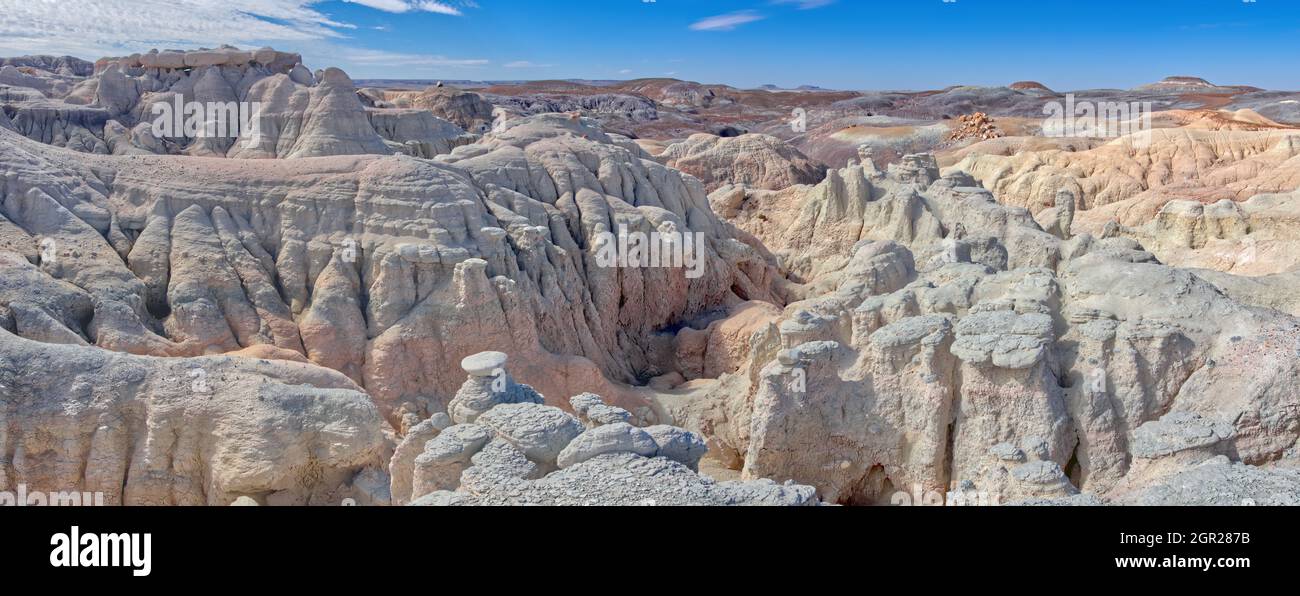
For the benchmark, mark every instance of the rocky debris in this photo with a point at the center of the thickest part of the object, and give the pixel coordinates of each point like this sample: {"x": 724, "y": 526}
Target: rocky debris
{"x": 753, "y": 160}
{"x": 978, "y": 126}
{"x": 602, "y": 414}
{"x": 1176, "y": 433}
{"x": 592, "y": 410}
{"x": 527, "y": 453}
{"x": 1221, "y": 482}
{"x": 622, "y": 479}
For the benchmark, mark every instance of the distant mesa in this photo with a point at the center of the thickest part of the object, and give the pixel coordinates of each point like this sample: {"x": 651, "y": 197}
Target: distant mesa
{"x": 1030, "y": 86}
{"x": 1179, "y": 83}
{"x": 1186, "y": 81}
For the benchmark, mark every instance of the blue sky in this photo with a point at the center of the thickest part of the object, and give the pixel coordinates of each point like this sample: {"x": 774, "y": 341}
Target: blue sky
{"x": 847, "y": 44}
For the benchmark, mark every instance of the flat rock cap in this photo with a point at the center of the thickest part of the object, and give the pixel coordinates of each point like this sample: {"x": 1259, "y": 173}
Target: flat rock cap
{"x": 483, "y": 364}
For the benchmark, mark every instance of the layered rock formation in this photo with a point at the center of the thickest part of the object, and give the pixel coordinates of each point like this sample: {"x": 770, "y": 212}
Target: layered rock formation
{"x": 283, "y": 109}
{"x": 184, "y": 431}
{"x": 387, "y": 269}
{"x": 760, "y": 161}
{"x": 224, "y": 327}
{"x": 947, "y": 342}
{"x": 470, "y": 111}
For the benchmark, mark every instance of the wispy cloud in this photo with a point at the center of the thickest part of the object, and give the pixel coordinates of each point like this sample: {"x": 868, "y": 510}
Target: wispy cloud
{"x": 99, "y": 28}
{"x": 401, "y": 6}
{"x": 806, "y": 4}
{"x": 727, "y": 22}
{"x": 526, "y": 64}
{"x": 104, "y": 27}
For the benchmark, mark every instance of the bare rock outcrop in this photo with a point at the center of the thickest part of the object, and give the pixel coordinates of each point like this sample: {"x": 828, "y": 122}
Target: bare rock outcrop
{"x": 388, "y": 269}
{"x": 465, "y": 109}
{"x": 185, "y": 431}
{"x": 955, "y": 343}
{"x": 267, "y": 105}
{"x": 754, "y": 160}
{"x": 531, "y": 454}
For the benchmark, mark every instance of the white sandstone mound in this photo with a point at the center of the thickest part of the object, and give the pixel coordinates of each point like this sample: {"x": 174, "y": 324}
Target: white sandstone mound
{"x": 758, "y": 161}
{"x": 386, "y": 268}
{"x": 287, "y": 110}
{"x": 958, "y": 345}
{"x": 509, "y": 449}
{"x": 184, "y": 431}
{"x": 197, "y": 329}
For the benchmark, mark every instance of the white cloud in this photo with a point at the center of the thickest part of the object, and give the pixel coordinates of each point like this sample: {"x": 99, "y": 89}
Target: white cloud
{"x": 438, "y": 7}
{"x": 806, "y": 4}
{"x": 95, "y": 28}
{"x": 384, "y": 5}
{"x": 400, "y": 6}
{"x": 526, "y": 64}
{"x": 727, "y": 22}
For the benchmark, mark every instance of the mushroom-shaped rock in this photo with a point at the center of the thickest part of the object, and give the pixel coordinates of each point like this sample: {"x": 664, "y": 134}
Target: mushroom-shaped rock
{"x": 611, "y": 438}
{"x": 540, "y": 432}
{"x": 484, "y": 364}
{"x": 488, "y": 386}
{"x": 678, "y": 444}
